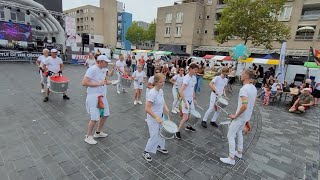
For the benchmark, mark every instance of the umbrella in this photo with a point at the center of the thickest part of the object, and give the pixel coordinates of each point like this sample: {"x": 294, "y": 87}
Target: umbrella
{"x": 208, "y": 56}
{"x": 306, "y": 29}
{"x": 239, "y": 52}
{"x": 162, "y": 53}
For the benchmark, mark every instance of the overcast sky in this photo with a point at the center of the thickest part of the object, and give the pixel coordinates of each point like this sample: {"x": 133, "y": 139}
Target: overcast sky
{"x": 146, "y": 13}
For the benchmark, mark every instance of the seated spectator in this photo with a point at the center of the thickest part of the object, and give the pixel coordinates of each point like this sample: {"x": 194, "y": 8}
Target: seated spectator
{"x": 267, "y": 94}
{"x": 276, "y": 87}
{"x": 304, "y": 102}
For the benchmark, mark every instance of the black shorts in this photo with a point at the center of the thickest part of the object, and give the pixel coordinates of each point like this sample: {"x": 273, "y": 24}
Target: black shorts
{"x": 232, "y": 80}
{"x": 316, "y": 93}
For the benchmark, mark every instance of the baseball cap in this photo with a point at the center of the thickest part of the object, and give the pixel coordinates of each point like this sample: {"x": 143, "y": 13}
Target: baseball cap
{"x": 103, "y": 58}
{"x": 54, "y": 50}
{"x": 306, "y": 89}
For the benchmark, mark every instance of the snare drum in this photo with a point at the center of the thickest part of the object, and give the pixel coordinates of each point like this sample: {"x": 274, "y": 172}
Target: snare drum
{"x": 193, "y": 117}
{"x": 126, "y": 81}
{"x": 168, "y": 129}
{"x": 59, "y": 84}
{"x": 222, "y": 102}
{"x": 195, "y": 114}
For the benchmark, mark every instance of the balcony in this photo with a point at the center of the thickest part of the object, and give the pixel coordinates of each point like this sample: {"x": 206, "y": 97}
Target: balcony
{"x": 301, "y": 37}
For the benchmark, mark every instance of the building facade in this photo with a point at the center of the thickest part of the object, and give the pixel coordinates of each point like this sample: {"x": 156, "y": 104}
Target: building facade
{"x": 148, "y": 45}
{"x": 104, "y": 24}
{"x": 190, "y": 24}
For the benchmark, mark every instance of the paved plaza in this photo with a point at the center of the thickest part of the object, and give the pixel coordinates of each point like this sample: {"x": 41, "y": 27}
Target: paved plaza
{"x": 45, "y": 140}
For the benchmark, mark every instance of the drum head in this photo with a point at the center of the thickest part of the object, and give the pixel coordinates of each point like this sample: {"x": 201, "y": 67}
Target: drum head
{"x": 170, "y": 126}
{"x": 223, "y": 101}
{"x": 195, "y": 114}
{"x": 59, "y": 79}
{"x": 114, "y": 82}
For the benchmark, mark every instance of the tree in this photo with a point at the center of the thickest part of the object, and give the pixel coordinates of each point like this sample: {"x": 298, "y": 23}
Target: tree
{"x": 151, "y": 32}
{"x": 136, "y": 34}
{"x": 254, "y": 20}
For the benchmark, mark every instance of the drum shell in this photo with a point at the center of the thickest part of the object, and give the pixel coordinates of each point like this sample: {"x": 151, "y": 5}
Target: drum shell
{"x": 220, "y": 104}
{"x": 125, "y": 82}
{"x": 193, "y": 119}
{"x": 58, "y": 87}
{"x": 165, "y": 134}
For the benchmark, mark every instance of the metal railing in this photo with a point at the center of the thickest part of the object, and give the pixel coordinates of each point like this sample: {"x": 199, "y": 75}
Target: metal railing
{"x": 299, "y": 37}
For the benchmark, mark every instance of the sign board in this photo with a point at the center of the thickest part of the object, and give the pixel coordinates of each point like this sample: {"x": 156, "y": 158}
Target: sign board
{"x": 70, "y": 24}
{"x": 20, "y": 54}
{"x": 79, "y": 59}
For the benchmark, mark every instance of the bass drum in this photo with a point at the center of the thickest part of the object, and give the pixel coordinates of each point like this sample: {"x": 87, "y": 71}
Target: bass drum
{"x": 59, "y": 84}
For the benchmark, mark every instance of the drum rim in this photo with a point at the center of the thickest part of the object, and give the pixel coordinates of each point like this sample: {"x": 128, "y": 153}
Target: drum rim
{"x": 171, "y": 125}
{"x": 60, "y": 81}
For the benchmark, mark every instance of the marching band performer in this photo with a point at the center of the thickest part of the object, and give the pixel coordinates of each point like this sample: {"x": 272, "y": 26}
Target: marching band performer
{"x": 40, "y": 61}
{"x": 177, "y": 81}
{"x": 121, "y": 70}
{"x": 188, "y": 97}
{"x": 52, "y": 66}
{"x": 139, "y": 77}
{"x": 217, "y": 86}
{"x": 150, "y": 82}
{"x": 155, "y": 106}
{"x": 246, "y": 102}
{"x": 96, "y": 103}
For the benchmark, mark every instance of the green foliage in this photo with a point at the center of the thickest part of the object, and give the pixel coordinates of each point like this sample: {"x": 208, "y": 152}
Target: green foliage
{"x": 151, "y": 32}
{"x": 254, "y": 20}
{"x": 135, "y": 34}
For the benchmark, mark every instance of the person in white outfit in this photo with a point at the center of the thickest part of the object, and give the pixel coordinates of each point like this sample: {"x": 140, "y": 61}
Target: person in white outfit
{"x": 40, "y": 61}
{"x": 53, "y": 65}
{"x": 139, "y": 77}
{"x": 246, "y": 103}
{"x": 121, "y": 70}
{"x": 177, "y": 81}
{"x": 150, "y": 82}
{"x": 217, "y": 85}
{"x": 95, "y": 80}
{"x": 188, "y": 97}
{"x": 91, "y": 61}
{"x": 155, "y": 106}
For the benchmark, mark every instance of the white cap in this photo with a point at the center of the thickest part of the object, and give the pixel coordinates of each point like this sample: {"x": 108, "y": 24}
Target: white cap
{"x": 103, "y": 58}
{"x": 54, "y": 50}
{"x": 307, "y": 89}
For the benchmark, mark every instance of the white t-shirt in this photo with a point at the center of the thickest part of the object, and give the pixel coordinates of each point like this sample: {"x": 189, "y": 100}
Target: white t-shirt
{"x": 96, "y": 74}
{"x": 249, "y": 91}
{"x": 53, "y": 64}
{"x": 90, "y": 62}
{"x": 42, "y": 60}
{"x": 190, "y": 82}
{"x": 318, "y": 82}
{"x": 139, "y": 76}
{"x": 120, "y": 65}
{"x": 151, "y": 80}
{"x": 179, "y": 81}
{"x": 173, "y": 70}
{"x": 220, "y": 83}
{"x": 157, "y": 99}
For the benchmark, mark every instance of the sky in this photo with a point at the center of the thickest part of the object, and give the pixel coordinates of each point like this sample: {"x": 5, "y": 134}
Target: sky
{"x": 147, "y": 12}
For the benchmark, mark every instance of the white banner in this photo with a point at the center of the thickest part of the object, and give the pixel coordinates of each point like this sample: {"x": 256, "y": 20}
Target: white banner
{"x": 71, "y": 26}
{"x": 280, "y": 74}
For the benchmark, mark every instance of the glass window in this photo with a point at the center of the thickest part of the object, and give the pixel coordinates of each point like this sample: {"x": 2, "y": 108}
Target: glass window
{"x": 209, "y": 2}
{"x": 2, "y": 15}
{"x": 168, "y": 18}
{"x": 178, "y": 30}
{"x": 205, "y": 31}
{"x": 167, "y": 31}
{"x": 179, "y": 17}
{"x": 14, "y": 16}
{"x": 92, "y": 18}
{"x": 285, "y": 13}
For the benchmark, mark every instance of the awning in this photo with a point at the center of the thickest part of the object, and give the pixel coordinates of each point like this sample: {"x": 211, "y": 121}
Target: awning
{"x": 289, "y": 52}
{"x": 141, "y": 51}
{"x": 208, "y": 56}
{"x": 161, "y": 52}
{"x": 222, "y": 58}
{"x": 261, "y": 61}
{"x": 311, "y": 65}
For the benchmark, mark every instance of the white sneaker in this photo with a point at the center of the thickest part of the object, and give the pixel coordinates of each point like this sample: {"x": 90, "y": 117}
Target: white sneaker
{"x": 147, "y": 156}
{"x": 90, "y": 140}
{"x": 42, "y": 91}
{"x": 177, "y": 109}
{"x": 118, "y": 92}
{"x": 139, "y": 102}
{"x": 228, "y": 160}
{"x": 100, "y": 135}
{"x": 125, "y": 91}
{"x": 173, "y": 111}
{"x": 135, "y": 102}
{"x": 238, "y": 155}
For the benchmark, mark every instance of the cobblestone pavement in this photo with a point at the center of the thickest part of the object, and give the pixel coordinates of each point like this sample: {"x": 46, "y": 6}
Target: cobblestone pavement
{"x": 45, "y": 140}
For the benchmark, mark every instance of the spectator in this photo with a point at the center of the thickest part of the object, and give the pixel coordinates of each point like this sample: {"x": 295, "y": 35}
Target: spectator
{"x": 134, "y": 63}
{"x": 267, "y": 94}
{"x": 141, "y": 61}
{"x": 260, "y": 69}
{"x": 304, "y": 102}
{"x": 276, "y": 87}
{"x": 316, "y": 92}
{"x": 150, "y": 67}
{"x": 200, "y": 74}
{"x": 128, "y": 62}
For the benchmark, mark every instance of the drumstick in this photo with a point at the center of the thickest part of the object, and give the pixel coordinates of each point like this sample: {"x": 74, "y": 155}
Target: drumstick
{"x": 223, "y": 110}
{"x": 200, "y": 107}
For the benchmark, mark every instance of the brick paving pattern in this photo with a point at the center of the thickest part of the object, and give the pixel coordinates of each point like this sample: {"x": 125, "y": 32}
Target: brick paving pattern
{"x": 45, "y": 140}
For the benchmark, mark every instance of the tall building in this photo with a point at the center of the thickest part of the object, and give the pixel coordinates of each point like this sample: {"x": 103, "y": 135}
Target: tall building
{"x": 106, "y": 25}
{"x": 190, "y": 24}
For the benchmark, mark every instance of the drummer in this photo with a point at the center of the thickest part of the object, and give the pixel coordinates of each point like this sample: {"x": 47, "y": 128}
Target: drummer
{"x": 53, "y": 66}
{"x": 188, "y": 97}
{"x": 40, "y": 61}
{"x": 217, "y": 86}
{"x": 139, "y": 77}
{"x": 121, "y": 70}
{"x": 177, "y": 81}
{"x": 95, "y": 80}
{"x": 155, "y": 106}
{"x": 246, "y": 102}
{"x": 151, "y": 81}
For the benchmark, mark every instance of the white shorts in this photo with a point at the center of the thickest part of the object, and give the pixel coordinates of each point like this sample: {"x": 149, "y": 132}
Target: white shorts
{"x": 93, "y": 110}
{"x": 48, "y": 82}
{"x": 137, "y": 85}
{"x": 190, "y": 106}
{"x": 41, "y": 76}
